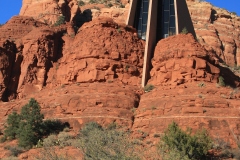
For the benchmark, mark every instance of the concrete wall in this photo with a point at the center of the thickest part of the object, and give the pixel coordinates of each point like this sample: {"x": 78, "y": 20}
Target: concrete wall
{"x": 184, "y": 18}
{"x": 150, "y": 40}
{"x": 132, "y": 12}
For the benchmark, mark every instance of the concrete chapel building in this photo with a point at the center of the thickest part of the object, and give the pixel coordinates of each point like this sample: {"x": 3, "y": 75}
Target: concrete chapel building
{"x": 155, "y": 20}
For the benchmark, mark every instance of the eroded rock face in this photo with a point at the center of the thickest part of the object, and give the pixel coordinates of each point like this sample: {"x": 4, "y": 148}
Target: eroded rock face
{"x": 180, "y": 59}
{"x": 81, "y": 103}
{"x": 217, "y": 30}
{"x": 49, "y": 10}
{"x": 101, "y": 51}
{"x": 192, "y": 106}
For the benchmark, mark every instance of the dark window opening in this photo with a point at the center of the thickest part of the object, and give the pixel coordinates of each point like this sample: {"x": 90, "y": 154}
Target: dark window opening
{"x": 141, "y": 18}
{"x": 166, "y": 25}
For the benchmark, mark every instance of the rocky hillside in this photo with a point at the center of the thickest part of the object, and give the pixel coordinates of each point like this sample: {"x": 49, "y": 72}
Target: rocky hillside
{"x": 217, "y": 30}
{"x": 89, "y": 69}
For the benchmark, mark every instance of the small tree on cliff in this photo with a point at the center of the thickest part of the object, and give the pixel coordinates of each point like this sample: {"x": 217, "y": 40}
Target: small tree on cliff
{"x": 26, "y": 126}
{"x": 30, "y": 126}
{"x": 11, "y": 129}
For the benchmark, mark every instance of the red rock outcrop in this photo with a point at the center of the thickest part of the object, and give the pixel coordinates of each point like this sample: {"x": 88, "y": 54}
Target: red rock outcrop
{"x": 217, "y": 30}
{"x": 209, "y": 107}
{"x": 180, "y": 59}
{"x": 101, "y": 51}
{"x": 94, "y": 74}
{"x": 49, "y": 10}
{"x": 82, "y": 102}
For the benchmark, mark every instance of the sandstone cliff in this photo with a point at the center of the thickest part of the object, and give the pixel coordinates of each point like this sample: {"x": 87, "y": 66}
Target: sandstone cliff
{"x": 217, "y": 30}
{"x": 93, "y": 73}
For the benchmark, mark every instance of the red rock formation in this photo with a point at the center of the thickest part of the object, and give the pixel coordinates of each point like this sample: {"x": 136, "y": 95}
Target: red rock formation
{"x": 94, "y": 74}
{"x": 180, "y": 59}
{"x": 101, "y": 51}
{"x": 217, "y": 30}
{"x": 105, "y": 51}
{"x": 209, "y": 107}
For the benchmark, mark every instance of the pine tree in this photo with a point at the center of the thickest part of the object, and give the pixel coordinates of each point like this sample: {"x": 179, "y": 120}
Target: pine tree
{"x": 30, "y": 127}
{"x": 11, "y": 129}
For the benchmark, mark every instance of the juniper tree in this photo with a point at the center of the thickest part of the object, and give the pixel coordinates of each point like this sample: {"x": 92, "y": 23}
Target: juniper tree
{"x": 12, "y": 126}
{"x": 30, "y": 126}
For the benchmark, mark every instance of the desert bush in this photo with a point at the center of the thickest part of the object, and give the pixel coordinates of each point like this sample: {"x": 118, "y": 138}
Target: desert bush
{"x": 93, "y": 1}
{"x": 148, "y": 87}
{"x": 64, "y": 139}
{"x": 201, "y": 84}
{"x": 109, "y": 143}
{"x": 49, "y": 153}
{"x": 50, "y": 141}
{"x": 184, "y": 31}
{"x": 182, "y": 144}
{"x": 14, "y": 150}
{"x": 81, "y": 3}
{"x": 221, "y": 81}
{"x": 10, "y": 158}
{"x": 60, "y": 20}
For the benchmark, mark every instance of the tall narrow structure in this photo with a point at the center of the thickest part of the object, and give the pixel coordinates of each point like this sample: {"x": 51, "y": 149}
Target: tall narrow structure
{"x": 155, "y": 20}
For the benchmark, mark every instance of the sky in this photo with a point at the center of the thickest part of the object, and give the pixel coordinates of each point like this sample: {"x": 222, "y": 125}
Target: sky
{"x": 9, "y": 8}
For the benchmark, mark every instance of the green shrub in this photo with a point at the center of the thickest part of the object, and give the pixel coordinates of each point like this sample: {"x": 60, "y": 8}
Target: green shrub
{"x": 49, "y": 153}
{"x": 148, "y": 88}
{"x": 81, "y": 3}
{"x": 184, "y": 145}
{"x": 221, "y": 81}
{"x": 10, "y": 158}
{"x": 201, "y": 84}
{"x": 93, "y": 1}
{"x": 50, "y": 141}
{"x": 184, "y": 31}
{"x": 109, "y": 143}
{"x": 15, "y": 151}
{"x": 60, "y": 20}
{"x": 12, "y": 126}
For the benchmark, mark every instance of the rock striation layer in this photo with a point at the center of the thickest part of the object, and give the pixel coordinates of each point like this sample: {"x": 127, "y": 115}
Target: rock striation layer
{"x": 217, "y": 30}
{"x": 47, "y": 56}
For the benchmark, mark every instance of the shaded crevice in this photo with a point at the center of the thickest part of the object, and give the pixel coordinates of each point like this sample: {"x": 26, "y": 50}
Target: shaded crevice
{"x": 10, "y": 51}
{"x": 66, "y": 11}
{"x": 212, "y": 16}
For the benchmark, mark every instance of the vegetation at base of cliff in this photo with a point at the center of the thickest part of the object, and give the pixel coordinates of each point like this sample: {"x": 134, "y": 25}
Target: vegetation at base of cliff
{"x": 81, "y": 3}
{"x": 148, "y": 88}
{"x": 183, "y": 145}
{"x": 60, "y": 20}
{"x": 28, "y": 126}
{"x": 221, "y": 81}
{"x": 97, "y": 142}
{"x": 184, "y": 31}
